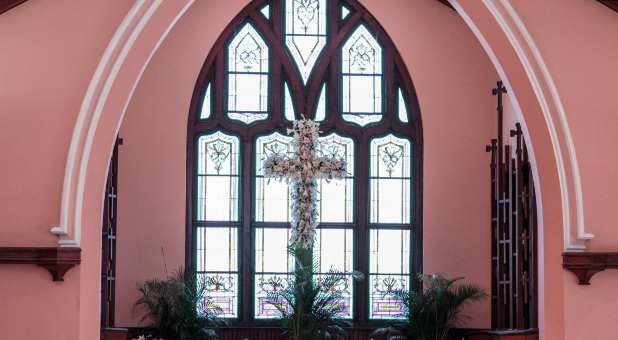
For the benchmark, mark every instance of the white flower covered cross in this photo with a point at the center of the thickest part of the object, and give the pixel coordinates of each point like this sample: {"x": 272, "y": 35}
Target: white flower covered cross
{"x": 303, "y": 170}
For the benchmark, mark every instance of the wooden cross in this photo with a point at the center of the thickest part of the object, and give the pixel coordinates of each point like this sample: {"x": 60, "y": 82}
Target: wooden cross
{"x": 302, "y": 170}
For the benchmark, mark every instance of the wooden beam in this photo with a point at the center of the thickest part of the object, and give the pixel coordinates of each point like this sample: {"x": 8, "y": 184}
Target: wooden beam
{"x": 584, "y": 265}
{"x": 5, "y": 5}
{"x": 57, "y": 260}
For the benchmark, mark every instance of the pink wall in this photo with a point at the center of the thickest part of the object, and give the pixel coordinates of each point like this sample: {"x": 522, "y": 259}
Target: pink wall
{"x": 458, "y": 118}
{"x": 45, "y": 66}
{"x": 583, "y": 33}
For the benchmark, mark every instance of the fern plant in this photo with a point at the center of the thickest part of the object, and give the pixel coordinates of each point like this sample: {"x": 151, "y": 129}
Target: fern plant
{"x": 432, "y": 313}
{"x": 309, "y": 308}
{"x": 179, "y": 308}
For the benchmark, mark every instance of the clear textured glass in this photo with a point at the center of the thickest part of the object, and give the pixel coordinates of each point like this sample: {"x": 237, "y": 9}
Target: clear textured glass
{"x": 248, "y": 60}
{"x": 271, "y": 194}
{"x": 361, "y": 63}
{"x": 336, "y": 197}
{"x": 305, "y": 32}
{"x": 403, "y": 109}
{"x": 289, "y": 105}
{"x": 344, "y": 12}
{"x": 266, "y": 11}
{"x": 217, "y": 249}
{"x": 389, "y": 271}
{"x": 206, "y": 104}
{"x": 390, "y": 182}
{"x": 320, "y": 111}
{"x": 333, "y": 250}
{"x": 218, "y": 167}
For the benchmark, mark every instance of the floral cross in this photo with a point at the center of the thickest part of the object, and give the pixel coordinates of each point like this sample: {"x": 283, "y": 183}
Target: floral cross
{"x": 303, "y": 170}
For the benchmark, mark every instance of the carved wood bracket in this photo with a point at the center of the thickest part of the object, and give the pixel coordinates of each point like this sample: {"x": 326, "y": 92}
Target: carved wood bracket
{"x": 584, "y": 265}
{"x": 57, "y": 260}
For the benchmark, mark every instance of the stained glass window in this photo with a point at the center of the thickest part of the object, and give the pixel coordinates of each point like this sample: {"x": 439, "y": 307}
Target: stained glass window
{"x": 272, "y": 69}
{"x": 403, "y": 110}
{"x": 289, "y": 105}
{"x": 320, "y": 112}
{"x": 305, "y": 32}
{"x": 247, "y": 76}
{"x": 206, "y": 104}
{"x": 217, "y": 209}
{"x": 361, "y": 58}
{"x": 336, "y": 197}
{"x": 266, "y": 11}
{"x": 344, "y": 12}
{"x": 390, "y": 181}
{"x": 389, "y": 271}
{"x": 273, "y": 266}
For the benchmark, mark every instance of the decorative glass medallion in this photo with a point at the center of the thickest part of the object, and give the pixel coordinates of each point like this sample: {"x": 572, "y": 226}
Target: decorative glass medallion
{"x": 247, "y": 76}
{"x": 305, "y": 32}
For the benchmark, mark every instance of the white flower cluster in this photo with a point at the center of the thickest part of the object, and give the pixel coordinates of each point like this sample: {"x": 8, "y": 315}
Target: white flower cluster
{"x": 302, "y": 171}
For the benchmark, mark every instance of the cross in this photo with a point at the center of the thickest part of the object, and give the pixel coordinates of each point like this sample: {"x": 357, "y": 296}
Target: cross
{"x": 302, "y": 170}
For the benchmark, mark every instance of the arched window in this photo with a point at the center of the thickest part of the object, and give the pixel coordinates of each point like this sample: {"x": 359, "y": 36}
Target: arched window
{"x": 328, "y": 60}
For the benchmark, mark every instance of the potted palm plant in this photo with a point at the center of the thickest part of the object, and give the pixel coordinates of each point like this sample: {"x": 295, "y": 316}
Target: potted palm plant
{"x": 430, "y": 314}
{"x": 310, "y": 308}
{"x": 178, "y": 307}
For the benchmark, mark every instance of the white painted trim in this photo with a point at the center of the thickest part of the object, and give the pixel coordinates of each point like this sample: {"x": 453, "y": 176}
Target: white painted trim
{"x": 62, "y": 228}
{"x": 579, "y": 200}
{"x": 74, "y": 238}
{"x": 83, "y": 170}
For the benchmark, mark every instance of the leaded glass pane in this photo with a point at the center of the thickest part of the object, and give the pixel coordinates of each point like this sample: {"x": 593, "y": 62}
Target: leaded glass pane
{"x": 248, "y": 60}
{"x": 266, "y": 11}
{"x": 361, "y": 58}
{"x": 273, "y": 265}
{"x": 222, "y": 292}
{"x": 217, "y": 249}
{"x": 206, "y": 104}
{"x": 272, "y": 196}
{"x": 218, "y": 167}
{"x": 320, "y": 112}
{"x": 389, "y": 271}
{"x": 305, "y": 32}
{"x": 336, "y": 197}
{"x": 289, "y": 105}
{"x": 403, "y": 109}
{"x": 344, "y": 12}
{"x": 390, "y": 181}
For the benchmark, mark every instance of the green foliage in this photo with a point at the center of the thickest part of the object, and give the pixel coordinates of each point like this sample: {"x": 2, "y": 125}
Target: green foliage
{"x": 433, "y": 312}
{"x": 171, "y": 305}
{"x": 309, "y": 309}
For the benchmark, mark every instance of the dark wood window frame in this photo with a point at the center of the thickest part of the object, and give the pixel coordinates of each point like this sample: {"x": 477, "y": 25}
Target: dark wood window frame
{"x": 305, "y": 98}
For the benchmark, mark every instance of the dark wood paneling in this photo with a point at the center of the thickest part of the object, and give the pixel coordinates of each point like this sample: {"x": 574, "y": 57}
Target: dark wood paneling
{"x": 585, "y": 265}
{"x": 56, "y": 260}
{"x": 5, "y": 5}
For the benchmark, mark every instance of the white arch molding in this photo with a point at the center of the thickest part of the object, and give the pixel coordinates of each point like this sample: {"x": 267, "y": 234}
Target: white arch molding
{"x": 124, "y": 57}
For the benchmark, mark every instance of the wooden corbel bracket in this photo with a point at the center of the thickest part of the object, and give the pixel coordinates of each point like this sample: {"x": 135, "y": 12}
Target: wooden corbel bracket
{"x": 585, "y": 264}
{"x": 57, "y": 260}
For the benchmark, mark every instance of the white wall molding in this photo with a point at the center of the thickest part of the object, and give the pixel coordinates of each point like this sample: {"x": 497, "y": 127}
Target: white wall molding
{"x": 93, "y": 107}
{"x": 575, "y": 235}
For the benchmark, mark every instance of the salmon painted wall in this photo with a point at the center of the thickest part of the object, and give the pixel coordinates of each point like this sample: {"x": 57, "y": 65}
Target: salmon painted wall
{"x": 458, "y": 120}
{"x": 580, "y": 48}
{"x": 45, "y": 66}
